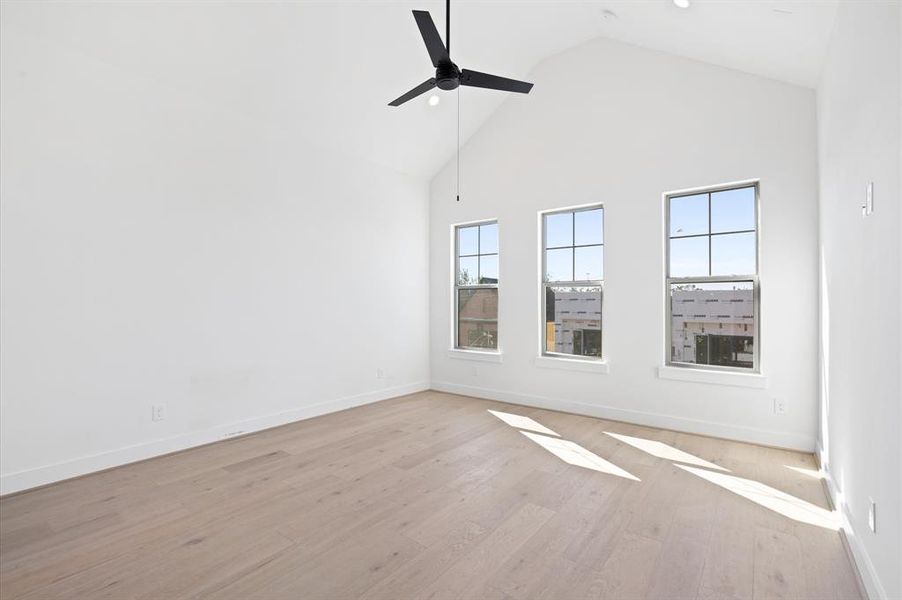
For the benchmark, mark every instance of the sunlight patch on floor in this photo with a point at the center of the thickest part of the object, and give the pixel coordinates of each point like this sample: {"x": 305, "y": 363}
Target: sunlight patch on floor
{"x": 521, "y": 422}
{"x": 773, "y": 499}
{"x": 814, "y": 474}
{"x": 574, "y": 454}
{"x": 665, "y": 451}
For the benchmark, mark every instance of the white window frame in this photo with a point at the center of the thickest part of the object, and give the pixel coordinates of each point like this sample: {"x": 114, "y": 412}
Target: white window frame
{"x": 754, "y": 278}
{"x": 551, "y": 358}
{"x": 457, "y": 350}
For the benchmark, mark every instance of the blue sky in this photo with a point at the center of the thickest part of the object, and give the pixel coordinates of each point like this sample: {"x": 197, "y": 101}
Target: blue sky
{"x": 728, "y": 253}
{"x": 584, "y": 229}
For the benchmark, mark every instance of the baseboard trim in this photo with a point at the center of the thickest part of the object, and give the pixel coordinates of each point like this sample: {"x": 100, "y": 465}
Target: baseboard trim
{"x": 710, "y": 428}
{"x": 40, "y": 476}
{"x": 867, "y": 574}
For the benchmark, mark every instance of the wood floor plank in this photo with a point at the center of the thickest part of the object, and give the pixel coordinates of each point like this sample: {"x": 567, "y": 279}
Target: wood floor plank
{"x": 778, "y": 565}
{"x": 346, "y": 569}
{"x": 679, "y": 569}
{"x": 429, "y": 495}
{"x": 628, "y": 571}
{"x": 728, "y": 573}
{"x": 539, "y": 569}
{"x": 421, "y": 572}
{"x": 474, "y": 571}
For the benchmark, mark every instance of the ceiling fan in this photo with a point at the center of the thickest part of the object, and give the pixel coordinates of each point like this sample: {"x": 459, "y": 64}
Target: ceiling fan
{"x": 447, "y": 75}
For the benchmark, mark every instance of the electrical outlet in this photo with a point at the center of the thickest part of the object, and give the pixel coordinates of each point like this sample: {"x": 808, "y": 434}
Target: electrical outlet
{"x": 779, "y": 406}
{"x": 474, "y": 372}
{"x": 159, "y": 412}
{"x": 872, "y": 515}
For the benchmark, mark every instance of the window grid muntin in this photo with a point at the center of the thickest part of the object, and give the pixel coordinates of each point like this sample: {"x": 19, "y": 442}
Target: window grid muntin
{"x": 743, "y": 278}
{"x": 459, "y": 286}
{"x": 588, "y": 283}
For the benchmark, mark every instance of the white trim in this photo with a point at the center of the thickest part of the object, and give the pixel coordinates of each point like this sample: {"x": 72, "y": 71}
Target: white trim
{"x": 752, "y": 380}
{"x": 572, "y": 364}
{"x": 715, "y": 187}
{"x": 480, "y": 355}
{"x": 575, "y": 207}
{"x": 470, "y": 223}
{"x": 859, "y": 554}
{"x": 23, "y": 480}
{"x": 780, "y": 439}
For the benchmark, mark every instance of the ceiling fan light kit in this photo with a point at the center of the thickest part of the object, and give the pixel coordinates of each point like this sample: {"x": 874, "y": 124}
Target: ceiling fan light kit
{"x": 447, "y": 74}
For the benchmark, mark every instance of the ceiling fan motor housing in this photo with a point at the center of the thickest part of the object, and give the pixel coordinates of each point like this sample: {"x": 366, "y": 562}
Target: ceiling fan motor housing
{"x": 447, "y": 76}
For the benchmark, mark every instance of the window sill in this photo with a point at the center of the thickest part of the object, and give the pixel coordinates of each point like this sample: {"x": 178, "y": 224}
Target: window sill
{"x": 479, "y": 355}
{"x": 572, "y": 364}
{"x": 750, "y": 380}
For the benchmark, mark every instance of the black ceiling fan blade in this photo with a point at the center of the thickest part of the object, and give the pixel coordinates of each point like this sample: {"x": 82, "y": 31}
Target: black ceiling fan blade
{"x": 434, "y": 45}
{"x": 493, "y": 82}
{"x": 420, "y": 89}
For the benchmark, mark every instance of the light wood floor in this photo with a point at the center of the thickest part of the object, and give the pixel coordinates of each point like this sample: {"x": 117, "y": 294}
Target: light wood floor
{"x": 432, "y": 496}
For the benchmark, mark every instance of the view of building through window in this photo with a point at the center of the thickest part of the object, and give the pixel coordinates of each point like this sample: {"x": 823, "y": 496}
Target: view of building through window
{"x": 713, "y": 324}
{"x": 573, "y": 320}
{"x": 712, "y": 278}
{"x": 477, "y": 311}
{"x": 574, "y": 270}
{"x": 476, "y": 283}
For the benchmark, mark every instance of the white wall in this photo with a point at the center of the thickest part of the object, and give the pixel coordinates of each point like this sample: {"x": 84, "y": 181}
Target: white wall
{"x": 859, "y": 105}
{"x": 157, "y": 248}
{"x": 618, "y": 124}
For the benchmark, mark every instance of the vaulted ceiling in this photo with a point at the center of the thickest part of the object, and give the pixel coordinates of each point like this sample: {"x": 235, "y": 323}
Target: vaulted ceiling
{"x": 325, "y": 71}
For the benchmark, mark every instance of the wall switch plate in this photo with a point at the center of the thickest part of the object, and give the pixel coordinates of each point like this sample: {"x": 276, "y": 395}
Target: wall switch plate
{"x": 872, "y": 515}
{"x": 867, "y": 209}
{"x": 380, "y": 373}
{"x": 159, "y": 412}
{"x": 779, "y": 406}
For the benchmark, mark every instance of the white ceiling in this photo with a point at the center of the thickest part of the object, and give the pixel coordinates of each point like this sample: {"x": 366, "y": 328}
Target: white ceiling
{"x": 325, "y": 71}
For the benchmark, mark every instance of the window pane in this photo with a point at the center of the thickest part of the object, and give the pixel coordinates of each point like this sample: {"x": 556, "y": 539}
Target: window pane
{"x": 477, "y": 318}
{"x": 559, "y": 265}
{"x": 733, "y": 210}
{"x": 488, "y": 269}
{"x": 559, "y": 230}
{"x": 689, "y": 215}
{"x": 467, "y": 270}
{"x": 467, "y": 240}
{"x": 689, "y": 256}
{"x": 488, "y": 239}
{"x": 713, "y": 324}
{"x": 589, "y": 263}
{"x": 589, "y": 227}
{"x": 573, "y": 320}
{"x": 733, "y": 254}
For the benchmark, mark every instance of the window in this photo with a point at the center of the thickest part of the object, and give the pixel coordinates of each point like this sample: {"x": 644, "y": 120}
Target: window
{"x": 476, "y": 286}
{"x": 712, "y": 278}
{"x": 573, "y": 271}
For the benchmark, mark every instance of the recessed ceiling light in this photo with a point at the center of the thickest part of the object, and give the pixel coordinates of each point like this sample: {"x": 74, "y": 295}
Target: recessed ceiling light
{"x": 681, "y": 3}
{"x": 608, "y": 15}
{"x": 433, "y": 100}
